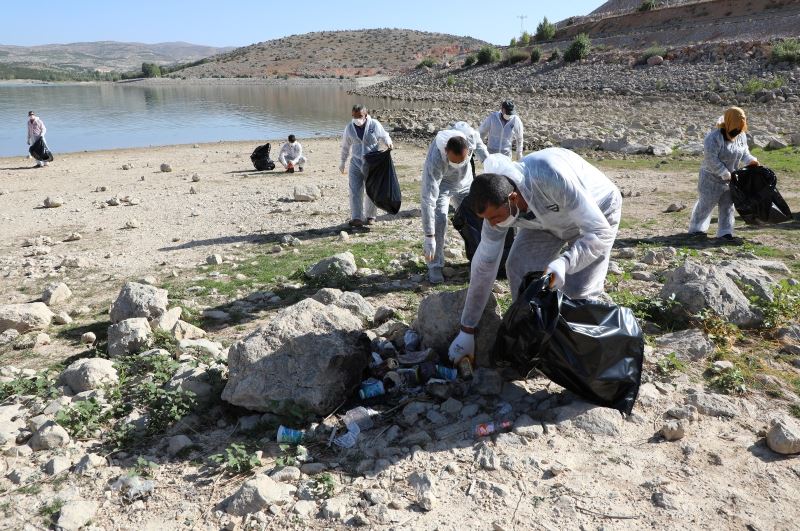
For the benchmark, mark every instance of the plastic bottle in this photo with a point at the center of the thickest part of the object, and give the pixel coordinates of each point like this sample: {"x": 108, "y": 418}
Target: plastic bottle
{"x": 289, "y": 436}
{"x": 488, "y": 428}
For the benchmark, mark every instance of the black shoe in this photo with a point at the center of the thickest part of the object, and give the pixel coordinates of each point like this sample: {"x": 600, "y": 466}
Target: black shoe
{"x": 290, "y": 170}
{"x": 730, "y": 239}
{"x": 300, "y": 168}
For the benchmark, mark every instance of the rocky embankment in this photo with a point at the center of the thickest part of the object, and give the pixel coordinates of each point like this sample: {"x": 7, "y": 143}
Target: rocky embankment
{"x": 612, "y": 101}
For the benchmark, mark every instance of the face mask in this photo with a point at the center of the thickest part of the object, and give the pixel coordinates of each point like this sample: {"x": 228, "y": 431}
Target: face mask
{"x": 733, "y": 133}
{"x": 457, "y": 165}
{"x": 510, "y": 220}
{"x": 507, "y": 116}
{"x": 359, "y": 121}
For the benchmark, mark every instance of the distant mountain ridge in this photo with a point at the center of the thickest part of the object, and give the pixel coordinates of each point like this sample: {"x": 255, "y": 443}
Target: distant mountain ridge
{"x": 104, "y": 56}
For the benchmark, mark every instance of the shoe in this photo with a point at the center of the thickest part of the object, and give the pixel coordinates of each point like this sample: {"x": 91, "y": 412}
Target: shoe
{"x": 698, "y": 234}
{"x": 355, "y": 223}
{"x": 300, "y": 168}
{"x": 289, "y": 170}
{"x": 730, "y": 239}
{"x": 435, "y": 275}
{"x": 370, "y": 221}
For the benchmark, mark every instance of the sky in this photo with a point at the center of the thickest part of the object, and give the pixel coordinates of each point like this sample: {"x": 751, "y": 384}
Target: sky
{"x": 243, "y": 22}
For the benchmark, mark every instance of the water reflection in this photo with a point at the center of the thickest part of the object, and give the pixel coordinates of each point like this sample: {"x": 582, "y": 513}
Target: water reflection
{"x": 104, "y": 116}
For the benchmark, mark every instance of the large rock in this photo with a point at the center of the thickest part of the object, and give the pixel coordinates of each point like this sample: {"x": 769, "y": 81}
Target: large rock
{"x": 590, "y": 418}
{"x": 307, "y": 192}
{"x": 713, "y": 404}
{"x": 439, "y": 320}
{"x": 167, "y": 320}
{"x": 25, "y": 317}
{"x": 258, "y": 494}
{"x": 89, "y": 373}
{"x": 193, "y": 379}
{"x": 623, "y": 145}
{"x": 309, "y": 356}
{"x": 129, "y": 336}
{"x": 138, "y": 300}
{"x": 348, "y": 300}
{"x": 692, "y": 344}
{"x": 698, "y": 287}
{"x": 50, "y": 435}
{"x": 783, "y": 436}
{"x": 338, "y": 265}
{"x": 75, "y": 514}
{"x": 56, "y": 293}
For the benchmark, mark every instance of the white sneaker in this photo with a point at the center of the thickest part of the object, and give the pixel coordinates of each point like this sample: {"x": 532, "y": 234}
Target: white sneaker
{"x": 39, "y": 164}
{"x": 45, "y": 163}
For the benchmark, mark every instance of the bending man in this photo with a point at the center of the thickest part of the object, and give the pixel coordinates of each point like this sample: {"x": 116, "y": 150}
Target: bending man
{"x": 500, "y": 129}
{"x": 556, "y": 200}
{"x": 446, "y": 177}
{"x": 291, "y": 155}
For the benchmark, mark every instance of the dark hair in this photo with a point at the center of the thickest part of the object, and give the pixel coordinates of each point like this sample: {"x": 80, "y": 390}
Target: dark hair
{"x": 358, "y": 108}
{"x": 508, "y": 106}
{"x": 456, "y": 144}
{"x": 291, "y": 138}
{"x": 30, "y": 113}
{"x": 489, "y": 189}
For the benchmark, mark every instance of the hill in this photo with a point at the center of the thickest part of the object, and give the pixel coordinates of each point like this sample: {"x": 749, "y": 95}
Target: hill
{"x": 335, "y": 53}
{"x": 102, "y": 56}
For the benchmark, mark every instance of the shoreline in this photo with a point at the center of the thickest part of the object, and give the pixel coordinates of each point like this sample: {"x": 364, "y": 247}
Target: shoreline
{"x": 224, "y": 81}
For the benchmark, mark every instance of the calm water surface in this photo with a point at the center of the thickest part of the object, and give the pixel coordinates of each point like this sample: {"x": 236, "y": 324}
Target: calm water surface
{"x": 105, "y": 116}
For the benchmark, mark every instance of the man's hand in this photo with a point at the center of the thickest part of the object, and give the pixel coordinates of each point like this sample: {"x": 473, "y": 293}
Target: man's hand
{"x": 753, "y": 164}
{"x": 341, "y": 169}
{"x": 726, "y": 176}
{"x": 429, "y": 247}
{"x": 462, "y": 345}
{"x": 557, "y": 269}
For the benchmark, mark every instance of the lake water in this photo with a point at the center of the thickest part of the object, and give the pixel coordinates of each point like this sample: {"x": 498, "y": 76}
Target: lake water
{"x": 105, "y": 116}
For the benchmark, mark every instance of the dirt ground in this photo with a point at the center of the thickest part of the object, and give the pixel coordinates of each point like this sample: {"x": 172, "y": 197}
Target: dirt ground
{"x": 720, "y": 476}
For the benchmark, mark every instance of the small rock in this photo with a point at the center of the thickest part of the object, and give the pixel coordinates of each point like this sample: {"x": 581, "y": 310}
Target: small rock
{"x": 57, "y": 465}
{"x": 56, "y": 293}
{"x": 49, "y": 436}
{"x": 214, "y": 259}
{"x": 177, "y": 443}
{"x": 307, "y": 192}
{"x": 783, "y": 436}
{"x": 88, "y": 338}
{"x": 89, "y": 373}
{"x": 258, "y": 494}
{"x": 53, "y": 202}
{"x": 166, "y": 168}
{"x": 672, "y": 430}
{"x": 195, "y": 178}
{"x": 132, "y": 223}
{"x": 675, "y": 207}
{"x": 73, "y": 237}
{"x": 75, "y": 514}
{"x": 287, "y": 474}
{"x": 62, "y": 318}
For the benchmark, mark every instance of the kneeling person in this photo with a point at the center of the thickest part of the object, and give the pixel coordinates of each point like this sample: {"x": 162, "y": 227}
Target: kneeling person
{"x": 556, "y": 199}
{"x": 291, "y": 155}
{"x": 446, "y": 177}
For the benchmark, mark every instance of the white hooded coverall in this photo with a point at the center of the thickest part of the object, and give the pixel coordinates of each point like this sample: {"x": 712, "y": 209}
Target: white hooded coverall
{"x": 499, "y": 135}
{"x": 291, "y": 152}
{"x": 569, "y": 202}
{"x": 356, "y": 148}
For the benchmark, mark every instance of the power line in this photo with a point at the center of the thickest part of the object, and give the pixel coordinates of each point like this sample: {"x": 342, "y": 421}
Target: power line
{"x": 522, "y": 23}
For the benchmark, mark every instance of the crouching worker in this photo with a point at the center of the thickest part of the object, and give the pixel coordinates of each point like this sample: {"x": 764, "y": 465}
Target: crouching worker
{"x": 291, "y": 155}
{"x": 567, "y": 214}
{"x": 446, "y": 177}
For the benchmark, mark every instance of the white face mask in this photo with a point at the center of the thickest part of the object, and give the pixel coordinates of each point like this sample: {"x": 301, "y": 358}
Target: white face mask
{"x": 359, "y": 121}
{"x": 458, "y": 165}
{"x": 507, "y": 116}
{"x": 510, "y": 220}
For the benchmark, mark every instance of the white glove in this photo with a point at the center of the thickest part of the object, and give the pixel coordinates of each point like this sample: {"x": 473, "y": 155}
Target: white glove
{"x": 389, "y": 146}
{"x": 341, "y": 169}
{"x": 462, "y": 345}
{"x": 429, "y": 247}
{"x": 726, "y": 176}
{"x": 558, "y": 269}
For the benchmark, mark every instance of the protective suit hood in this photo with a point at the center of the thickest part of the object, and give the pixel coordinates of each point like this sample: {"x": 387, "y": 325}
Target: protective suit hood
{"x": 442, "y": 137}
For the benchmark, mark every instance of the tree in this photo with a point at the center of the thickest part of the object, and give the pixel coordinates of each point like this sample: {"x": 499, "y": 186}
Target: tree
{"x": 513, "y": 42}
{"x": 151, "y": 70}
{"x": 488, "y": 54}
{"x": 579, "y": 49}
{"x": 545, "y": 30}
{"x": 536, "y": 55}
{"x": 525, "y": 39}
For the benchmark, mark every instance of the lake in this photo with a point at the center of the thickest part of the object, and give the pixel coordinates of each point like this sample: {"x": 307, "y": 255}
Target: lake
{"x": 109, "y": 115}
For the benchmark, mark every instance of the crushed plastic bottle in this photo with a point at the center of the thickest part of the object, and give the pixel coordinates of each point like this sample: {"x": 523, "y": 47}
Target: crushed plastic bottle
{"x": 371, "y": 388}
{"x": 488, "y": 428}
{"x": 411, "y": 340}
{"x": 288, "y": 435}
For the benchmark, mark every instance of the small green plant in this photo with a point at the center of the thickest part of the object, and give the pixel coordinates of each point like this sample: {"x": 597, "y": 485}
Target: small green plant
{"x": 783, "y": 308}
{"x": 84, "y": 418}
{"x": 143, "y": 468}
{"x": 32, "y": 489}
{"x": 38, "y": 385}
{"x": 660, "y": 84}
{"x": 545, "y": 31}
{"x": 536, "y": 55}
{"x": 164, "y": 340}
{"x": 428, "y": 62}
{"x": 50, "y": 510}
{"x": 787, "y": 51}
{"x": 729, "y": 381}
{"x": 288, "y": 455}
{"x": 721, "y": 331}
{"x": 579, "y": 49}
{"x": 515, "y": 56}
{"x": 487, "y": 55}
{"x": 794, "y": 410}
{"x": 754, "y": 84}
{"x": 653, "y": 51}
{"x": 648, "y": 5}
{"x": 670, "y": 364}
{"x": 236, "y": 460}
{"x": 324, "y": 485}
{"x": 513, "y": 42}
{"x": 451, "y": 80}
{"x": 470, "y": 60}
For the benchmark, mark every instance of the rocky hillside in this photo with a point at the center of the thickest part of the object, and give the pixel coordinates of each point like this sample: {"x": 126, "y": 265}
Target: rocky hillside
{"x": 104, "y": 56}
{"x": 335, "y": 53}
{"x": 615, "y": 7}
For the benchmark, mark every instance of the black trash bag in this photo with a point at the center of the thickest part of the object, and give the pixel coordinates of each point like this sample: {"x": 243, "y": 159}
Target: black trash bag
{"x": 469, "y": 225}
{"x": 260, "y": 158}
{"x": 381, "y": 181}
{"x": 755, "y": 195}
{"x": 40, "y": 152}
{"x": 591, "y": 348}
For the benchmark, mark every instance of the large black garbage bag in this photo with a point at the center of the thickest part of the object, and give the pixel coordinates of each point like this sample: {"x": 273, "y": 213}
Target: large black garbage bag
{"x": 469, "y": 225}
{"x": 260, "y": 158}
{"x": 381, "y": 181}
{"x": 39, "y": 151}
{"x": 755, "y": 195}
{"x": 591, "y": 348}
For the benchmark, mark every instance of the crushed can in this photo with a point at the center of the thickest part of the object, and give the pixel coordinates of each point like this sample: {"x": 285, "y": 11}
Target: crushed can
{"x": 371, "y": 388}
{"x": 488, "y": 428}
{"x": 392, "y": 381}
{"x": 446, "y": 373}
{"x": 464, "y": 367}
{"x": 380, "y": 370}
{"x": 411, "y": 340}
{"x": 409, "y": 377}
{"x": 289, "y": 436}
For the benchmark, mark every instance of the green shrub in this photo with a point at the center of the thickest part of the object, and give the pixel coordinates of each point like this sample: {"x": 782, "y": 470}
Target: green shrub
{"x": 451, "y": 80}
{"x": 648, "y": 5}
{"x": 545, "y": 30}
{"x": 653, "y": 51}
{"x": 513, "y": 42}
{"x": 515, "y": 56}
{"x": 488, "y": 55}
{"x": 555, "y": 56}
{"x": 729, "y": 381}
{"x": 427, "y": 62}
{"x": 470, "y": 60}
{"x": 787, "y": 50}
{"x": 151, "y": 70}
{"x": 536, "y": 55}
{"x": 525, "y": 39}
{"x": 579, "y": 49}
{"x": 236, "y": 460}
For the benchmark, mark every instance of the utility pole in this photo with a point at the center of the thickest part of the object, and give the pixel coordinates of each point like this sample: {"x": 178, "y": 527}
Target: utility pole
{"x": 522, "y": 23}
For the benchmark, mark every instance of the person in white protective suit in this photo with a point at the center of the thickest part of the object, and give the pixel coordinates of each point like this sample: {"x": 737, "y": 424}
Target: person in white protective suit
{"x": 291, "y": 155}
{"x": 555, "y": 199}
{"x": 500, "y": 129}
{"x": 36, "y": 130}
{"x": 724, "y": 150}
{"x": 362, "y": 135}
{"x": 446, "y": 177}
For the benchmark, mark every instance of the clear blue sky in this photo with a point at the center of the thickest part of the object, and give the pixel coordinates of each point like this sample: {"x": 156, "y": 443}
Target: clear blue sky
{"x": 242, "y": 22}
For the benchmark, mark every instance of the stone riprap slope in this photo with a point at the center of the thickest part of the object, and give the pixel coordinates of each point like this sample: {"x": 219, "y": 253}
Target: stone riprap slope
{"x": 335, "y": 53}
